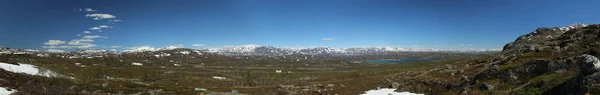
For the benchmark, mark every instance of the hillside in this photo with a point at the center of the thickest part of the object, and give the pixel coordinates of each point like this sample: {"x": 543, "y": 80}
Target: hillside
{"x": 559, "y": 60}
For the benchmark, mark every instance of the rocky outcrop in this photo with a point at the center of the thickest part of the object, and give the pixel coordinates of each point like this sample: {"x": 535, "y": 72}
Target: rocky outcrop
{"x": 538, "y": 67}
{"x": 588, "y": 78}
{"x": 588, "y": 64}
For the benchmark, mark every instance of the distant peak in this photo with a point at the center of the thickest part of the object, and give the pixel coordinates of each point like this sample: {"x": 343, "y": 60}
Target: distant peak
{"x": 573, "y": 26}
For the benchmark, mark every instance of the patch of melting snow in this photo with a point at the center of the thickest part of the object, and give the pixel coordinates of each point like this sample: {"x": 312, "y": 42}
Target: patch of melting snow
{"x": 3, "y": 91}
{"x": 387, "y": 91}
{"x": 219, "y": 78}
{"x": 28, "y": 69}
{"x": 137, "y": 64}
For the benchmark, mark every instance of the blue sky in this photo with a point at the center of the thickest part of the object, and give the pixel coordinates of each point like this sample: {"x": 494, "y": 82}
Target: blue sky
{"x": 444, "y": 24}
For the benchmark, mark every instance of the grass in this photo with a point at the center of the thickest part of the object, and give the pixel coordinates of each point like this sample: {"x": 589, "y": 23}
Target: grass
{"x": 254, "y": 77}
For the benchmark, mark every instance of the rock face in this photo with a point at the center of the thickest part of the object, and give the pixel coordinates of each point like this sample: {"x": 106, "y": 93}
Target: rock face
{"x": 588, "y": 64}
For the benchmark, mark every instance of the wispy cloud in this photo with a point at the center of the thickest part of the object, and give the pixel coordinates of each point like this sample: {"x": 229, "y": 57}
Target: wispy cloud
{"x": 79, "y": 46}
{"x": 105, "y": 26}
{"x": 90, "y": 10}
{"x": 175, "y": 46}
{"x": 198, "y": 45}
{"x": 92, "y": 37}
{"x": 86, "y": 40}
{"x": 328, "y": 39}
{"x": 115, "y": 46}
{"x": 55, "y": 42}
{"x": 115, "y": 20}
{"x": 101, "y": 16}
{"x": 95, "y": 28}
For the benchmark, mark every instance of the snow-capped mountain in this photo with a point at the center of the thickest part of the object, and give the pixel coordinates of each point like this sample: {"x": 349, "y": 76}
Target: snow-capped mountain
{"x": 259, "y": 50}
{"x": 274, "y": 51}
{"x": 573, "y": 26}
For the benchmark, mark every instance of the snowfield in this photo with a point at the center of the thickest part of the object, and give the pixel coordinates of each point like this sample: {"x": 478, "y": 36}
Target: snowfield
{"x": 3, "y": 91}
{"x": 28, "y": 69}
{"x": 387, "y": 91}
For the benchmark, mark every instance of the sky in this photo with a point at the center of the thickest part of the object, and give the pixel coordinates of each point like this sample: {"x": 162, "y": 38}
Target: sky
{"x": 121, "y": 24}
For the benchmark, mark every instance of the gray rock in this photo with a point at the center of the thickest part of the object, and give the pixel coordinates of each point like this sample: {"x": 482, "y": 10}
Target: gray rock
{"x": 588, "y": 64}
{"x": 448, "y": 66}
{"x": 460, "y": 71}
{"x": 486, "y": 86}
{"x": 464, "y": 78}
{"x": 530, "y": 48}
{"x": 395, "y": 85}
{"x": 465, "y": 91}
{"x": 536, "y": 66}
{"x": 105, "y": 84}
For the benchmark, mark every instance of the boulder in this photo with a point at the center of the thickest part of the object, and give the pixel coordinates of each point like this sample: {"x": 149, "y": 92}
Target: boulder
{"x": 448, "y": 66}
{"x": 395, "y": 85}
{"x": 587, "y": 64}
{"x": 465, "y": 91}
{"x": 486, "y": 86}
{"x": 530, "y": 48}
{"x": 536, "y": 67}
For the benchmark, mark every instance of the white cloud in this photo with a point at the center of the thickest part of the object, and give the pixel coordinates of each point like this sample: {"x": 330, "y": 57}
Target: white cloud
{"x": 101, "y": 16}
{"x": 55, "y": 50}
{"x": 78, "y": 34}
{"x": 90, "y": 10}
{"x": 95, "y": 28}
{"x": 140, "y": 48}
{"x": 115, "y": 20}
{"x": 198, "y": 45}
{"x": 105, "y": 26}
{"x": 174, "y": 46}
{"x": 80, "y": 41}
{"x": 416, "y": 46}
{"x": 87, "y": 32}
{"x": 93, "y": 37}
{"x": 74, "y": 42}
{"x": 328, "y": 39}
{"x": 100, "y": 27}
{"x": 115, "y": 46}
{"x": 79, "y": 46}
{"x": 85, "y": 40}
{"x": 55, "y": 42}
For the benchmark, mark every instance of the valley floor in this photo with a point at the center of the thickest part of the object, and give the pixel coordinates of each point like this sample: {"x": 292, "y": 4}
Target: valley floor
{"x": 105, "y": 76}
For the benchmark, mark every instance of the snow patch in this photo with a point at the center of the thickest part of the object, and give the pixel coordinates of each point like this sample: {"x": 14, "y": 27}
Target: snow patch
{"x": 137, "y": 64}
{"x": 219, "y": 78}
{"x": 387, "y": 91}
{"x": 3, "y": 91}
{"x": 28, "y": 69}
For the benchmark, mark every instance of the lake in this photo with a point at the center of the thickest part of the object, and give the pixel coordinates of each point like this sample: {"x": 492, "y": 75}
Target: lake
{"x": 394, "y": 61}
